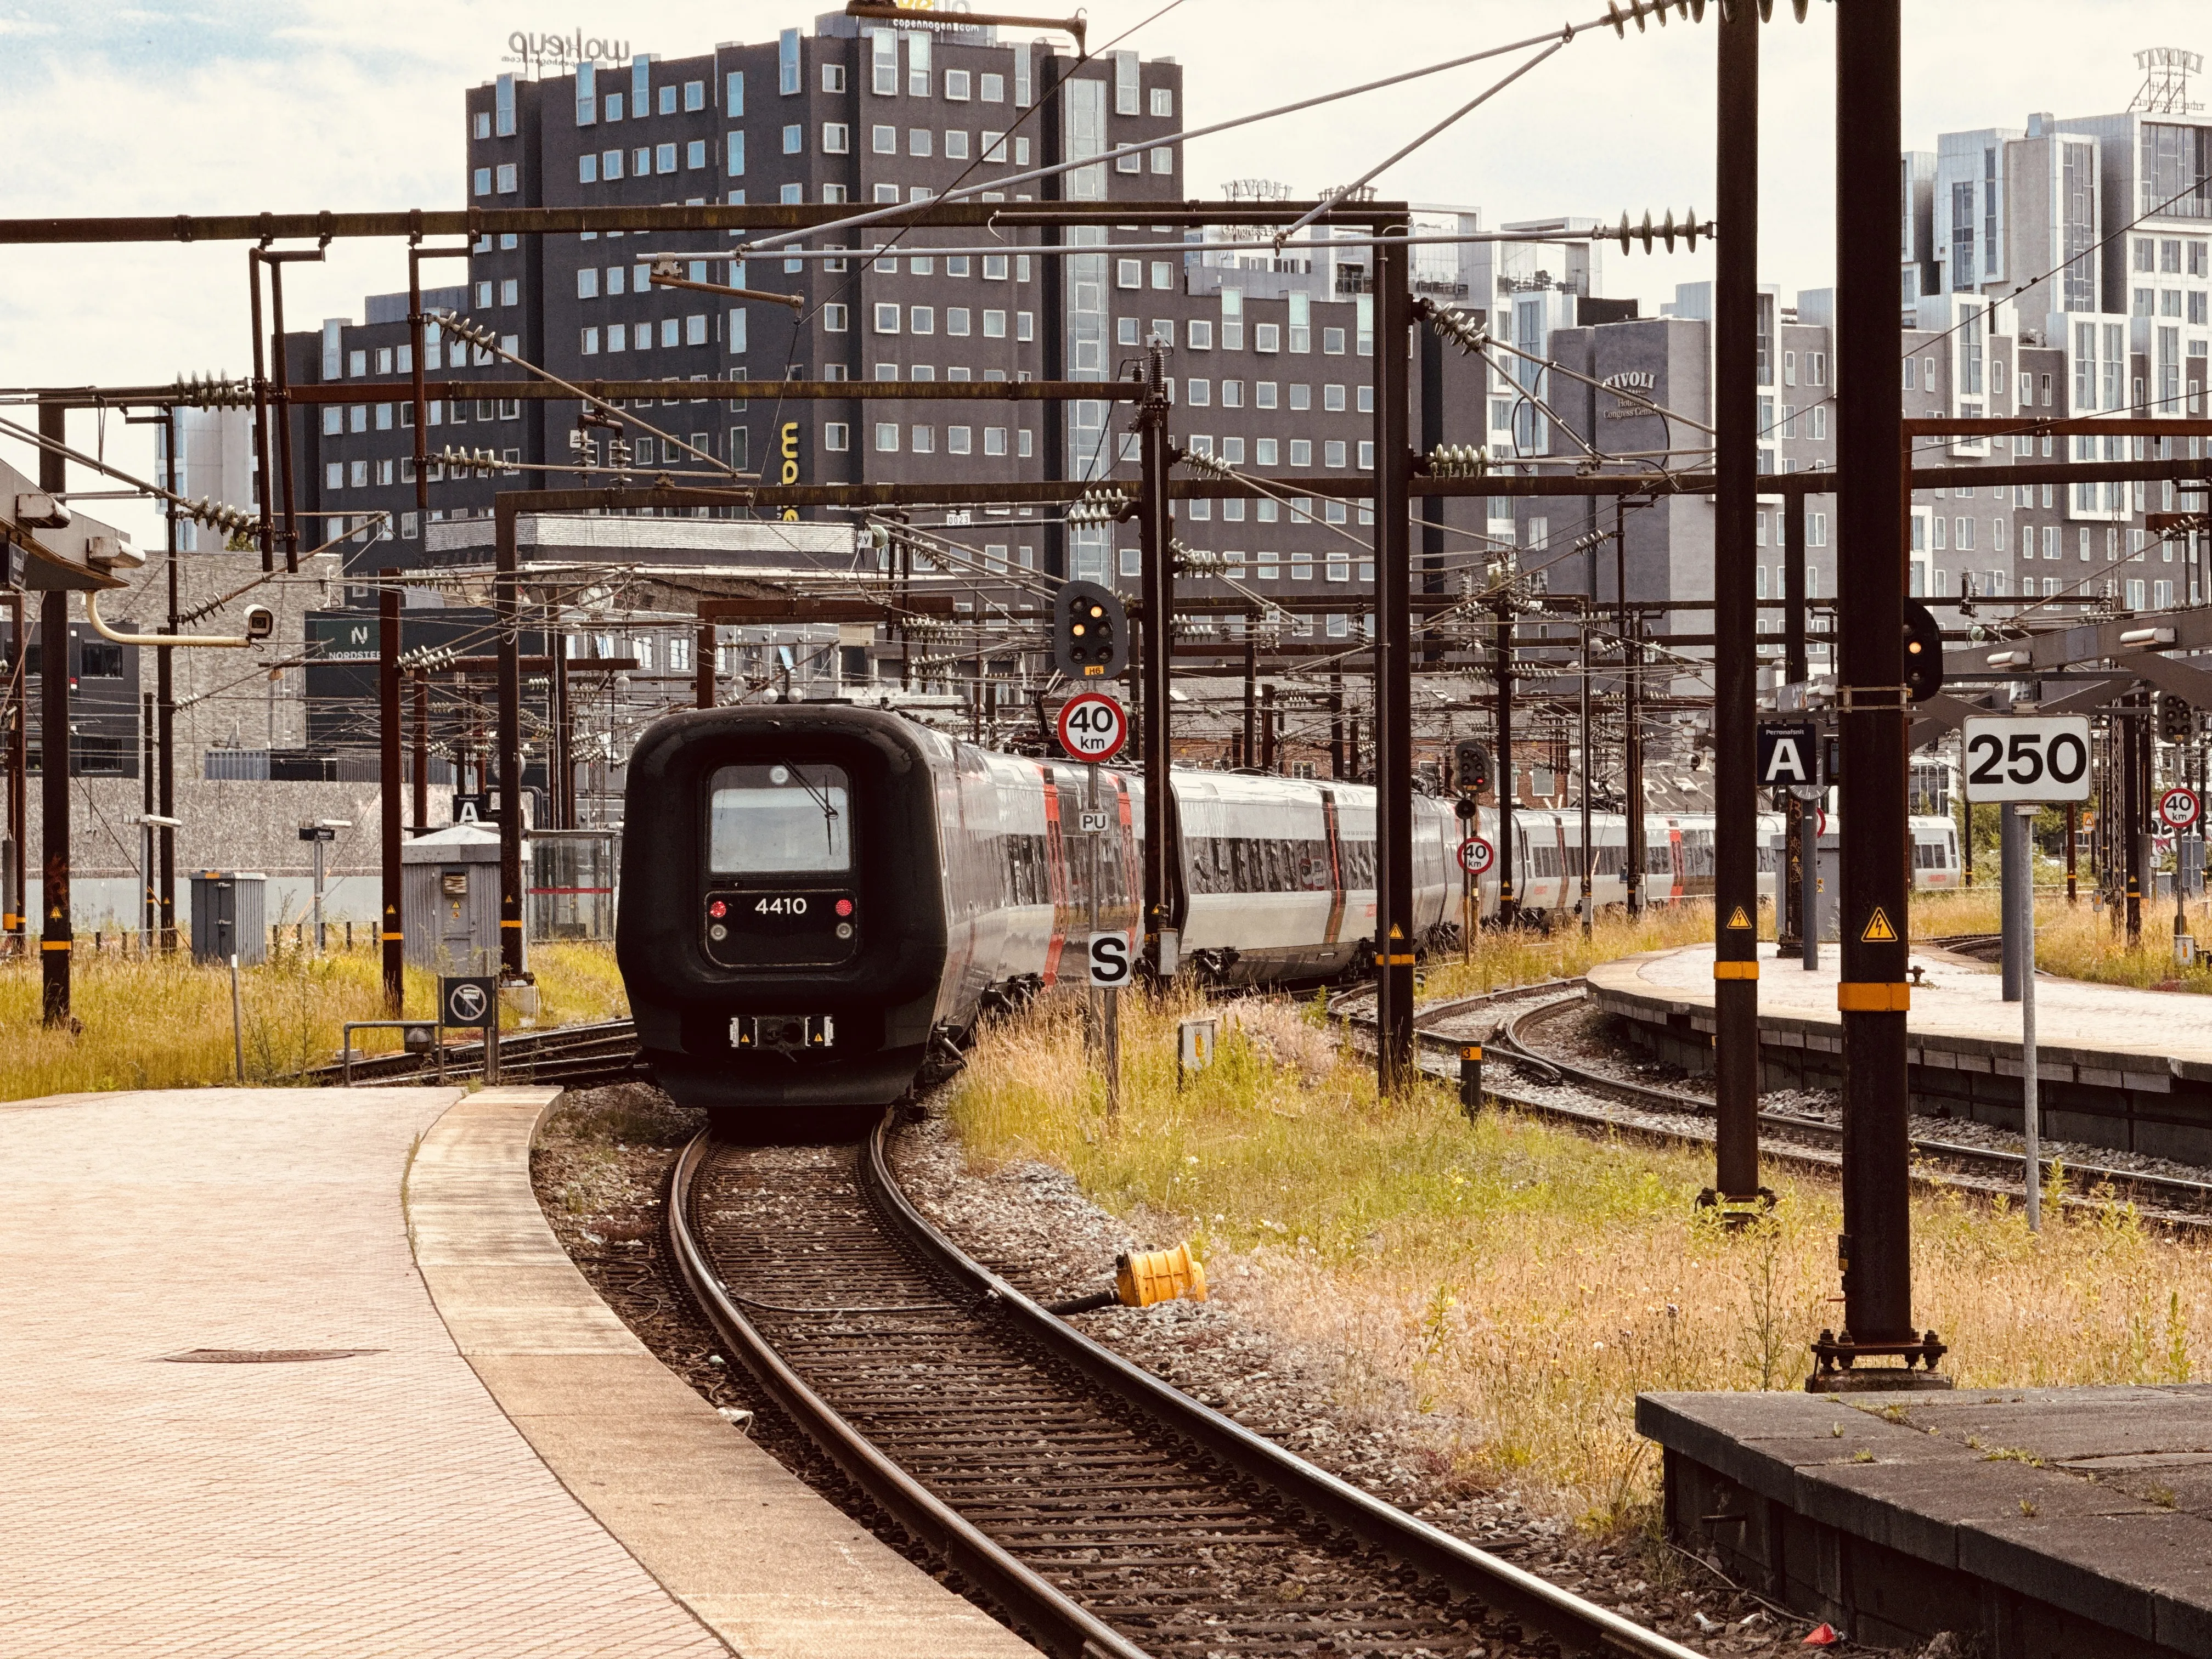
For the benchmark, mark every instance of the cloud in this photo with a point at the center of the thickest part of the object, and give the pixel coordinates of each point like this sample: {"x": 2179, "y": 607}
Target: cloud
{"x": 328, "y": 103}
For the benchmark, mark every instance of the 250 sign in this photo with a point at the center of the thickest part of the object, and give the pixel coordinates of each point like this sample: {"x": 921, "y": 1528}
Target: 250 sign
{"x": 2027, "y": 758}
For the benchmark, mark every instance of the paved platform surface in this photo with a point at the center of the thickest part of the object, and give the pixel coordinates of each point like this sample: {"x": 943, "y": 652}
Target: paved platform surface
{"x": 757, "y": 1554}
{"x": 1959, "y": 999}
{"x": 2095, "y": 1502}
{"x": 379, "y": 1504}
{"x": 383, "y": 1503}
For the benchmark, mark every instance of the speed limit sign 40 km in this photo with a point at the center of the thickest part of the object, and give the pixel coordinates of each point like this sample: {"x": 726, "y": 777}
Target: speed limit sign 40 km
{"x": 1093, "y": 727}
{"x": 2026, "y": 758}
{"x": 2178, "y": 808}
{"x": 1475, "y": 855}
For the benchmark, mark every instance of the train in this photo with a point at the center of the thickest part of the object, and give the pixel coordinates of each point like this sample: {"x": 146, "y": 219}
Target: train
{"x": 820, "y": 901}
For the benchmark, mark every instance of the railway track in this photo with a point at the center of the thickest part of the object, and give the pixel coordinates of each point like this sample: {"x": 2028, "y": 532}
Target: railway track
{"x": 1790, "y": 1138}
{"x": 1104, "y": 1512}
{"x": 574, "y": 1056}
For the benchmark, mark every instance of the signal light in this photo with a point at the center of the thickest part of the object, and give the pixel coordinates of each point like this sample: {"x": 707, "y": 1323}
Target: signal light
{"x": 1471, "y": 761}
{"x": 1090, "y": 632}
{"x": 1924, "y": 653}
{"x": 2177, "y": 720}
{"x": 718, "y": 910}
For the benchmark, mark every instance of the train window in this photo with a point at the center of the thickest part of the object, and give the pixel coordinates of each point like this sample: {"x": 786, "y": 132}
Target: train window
{"x": 778, "y": 820}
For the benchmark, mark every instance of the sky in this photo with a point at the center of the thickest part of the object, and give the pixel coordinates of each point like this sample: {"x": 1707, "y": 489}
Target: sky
{"x": 242, "y": 107}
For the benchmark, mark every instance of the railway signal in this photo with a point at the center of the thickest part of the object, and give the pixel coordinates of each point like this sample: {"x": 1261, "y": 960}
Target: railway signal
{"x": 1090, "y": 632}
{"x": 1471, "y": 763}
{"x": 1924, "y": 653}
{"x": 2177, "y": 720}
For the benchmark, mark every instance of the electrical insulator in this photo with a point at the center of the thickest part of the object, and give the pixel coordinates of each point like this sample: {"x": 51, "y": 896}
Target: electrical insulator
{"x": 1689, "y": 229}
{"x": 1099, "y": 507}
{"x": 1689, "y": 10}
{"x": 1462, "y": 328}
{"x": 1459, "y": 461}
{"x": 1192, "y": 562}
{"x": 2177, "y": 720}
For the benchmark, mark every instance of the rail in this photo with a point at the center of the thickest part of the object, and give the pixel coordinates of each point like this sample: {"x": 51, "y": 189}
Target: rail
{"x": 1063, "y": 1624}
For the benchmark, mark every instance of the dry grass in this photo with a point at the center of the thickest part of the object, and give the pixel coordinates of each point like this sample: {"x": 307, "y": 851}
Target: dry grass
{"x": 2075, "y": 941}
{"x": 1520, "y": 956}
{"x": 1519, "y": 1283}
{"x": 161, "y": 1023}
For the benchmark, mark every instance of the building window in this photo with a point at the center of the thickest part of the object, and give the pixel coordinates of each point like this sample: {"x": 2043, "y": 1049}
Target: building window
{"x": 995, "y": 440}
{"x": 694, "y": 153}
{"x": 921, "y": 320}
{"x": 833, "y": 77}
{"x": 1024, "y": 326}
{"x": 480, "y": 182}
{"x": 1128, "y": 273}
{"x": 510, "y": 291}
{"x": 1027, "y": 444}
{"x": 837, "y": 435}
{"x": 917, "y": 141}
{"x": 668, "y": 328}
{"x": 641, "y": 160}
{"x": 833, "y": 319}
{"x": 886, "y": 142}
{"x": 887, "y": 320}
{"x": 1162, "y": 159}
{"x": 507, "y": 178}
{"x": 590, "y": 347}
{"x": 887, "y": 437}
{"x": 1267, "y": 337}
{"x": 741, "y": 446}
{"x": 956, "y": 86}
{"x": 836, "y": 138}
{"x": 1302, "y": 452}
{"x": 695, "y": 328}
{"x": 955, "y": 320}
{"x": 956, "y": 145}
{"x": 958, "y": 440}
{"x": 664, "y": 158}
{"x": 787, "y": 61}
{"x": 334, "y": 475}
{"x": 924, "y": 440}
{"x": 587, "y": 168}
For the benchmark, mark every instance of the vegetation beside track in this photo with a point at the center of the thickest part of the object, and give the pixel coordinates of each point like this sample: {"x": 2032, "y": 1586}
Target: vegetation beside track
{"x": 1518, "y": 1283}
{"x": 2075, "y": 941}
{"x": 161, "y": 1023}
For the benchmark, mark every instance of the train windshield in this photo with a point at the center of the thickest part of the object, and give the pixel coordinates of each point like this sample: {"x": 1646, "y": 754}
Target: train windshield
{"x": 778, "y": 820}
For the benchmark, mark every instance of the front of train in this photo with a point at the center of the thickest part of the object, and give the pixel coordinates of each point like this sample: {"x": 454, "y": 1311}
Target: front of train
{"x": 782, "y": 929}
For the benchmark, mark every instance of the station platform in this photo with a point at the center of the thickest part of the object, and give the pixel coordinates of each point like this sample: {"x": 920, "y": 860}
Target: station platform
{"x": 305, "y": 1371}
{"x": 2118, "y": 1067}
{"x": 2046, "y": 1522}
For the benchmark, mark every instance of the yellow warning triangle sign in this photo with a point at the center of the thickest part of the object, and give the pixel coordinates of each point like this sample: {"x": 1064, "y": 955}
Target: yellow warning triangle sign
{"x": 1394, "y": 934}
{"x": 1737, "y": 918}
{"x": 1878, "y": 930}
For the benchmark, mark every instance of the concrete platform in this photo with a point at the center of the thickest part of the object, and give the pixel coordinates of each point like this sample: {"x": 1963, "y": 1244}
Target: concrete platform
{"x": 2047, "y": 1521}
{"x": 388, "y": 1500}
{"x": 2118, "y": 1067}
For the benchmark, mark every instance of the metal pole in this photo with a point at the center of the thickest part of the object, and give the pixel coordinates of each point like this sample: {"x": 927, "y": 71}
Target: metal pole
{"x": 1394, "y": 673}
{"x": 1109, "y": 1023}
{"x": 264, "y": 439}
{"x": 2072, "y": 831}
{"x": 1631, "y": 744}
{"x": 1508, "y": 909}
{"x": 19, "y": 779}
{"x": 150, "y": 903}
{"x": 319, "y": 896}
{"x": 2011, "y": 844}
{"x": 237, "y": 1020}
{"x": 2131, "y": 782}
{"x": 421, "y": 779}
{"x": 1808, "y": 898}
{"x": 1251, "y": 684}
{"x": 508, "y": 610}
{"x": 1336, "y": 721}
{"x": 1157, "y": 644}
{"x": 1789, "y": 911}
{"x": 165, "y": 692}
{"x": 58, "y": 937}
{"x": 1589, "y": 905}
{"x": 388, "y": 774}
{"x": 560, "y": 776}
{"x": 1735, "y": 647}
{"x": 281, "y": 395}
{"x": 1267, "y": 756}
{"x": 703, "y": 668}
{"x": 2031, "y": 1087}
{"x": 1870, "y": 510}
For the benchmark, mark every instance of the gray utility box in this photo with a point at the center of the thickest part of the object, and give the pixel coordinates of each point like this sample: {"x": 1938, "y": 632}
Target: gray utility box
{"x": 449, "y": 885}
{"x": 1829, "y": 852}
{"x": 230, "y": 916}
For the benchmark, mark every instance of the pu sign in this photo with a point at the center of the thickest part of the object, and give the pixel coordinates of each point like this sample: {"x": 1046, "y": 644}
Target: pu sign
{"x": 788, "y": 447}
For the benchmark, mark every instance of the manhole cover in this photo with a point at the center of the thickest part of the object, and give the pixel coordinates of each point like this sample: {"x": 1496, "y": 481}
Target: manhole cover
{"x": 261, "y": 1356}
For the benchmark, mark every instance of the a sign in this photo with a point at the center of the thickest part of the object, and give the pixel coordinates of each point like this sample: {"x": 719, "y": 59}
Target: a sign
{"x": 787, "y": 446}
{"x": 2178, "y": 808}
{"x": 1092, "y": 822}
{"x": 536, "y": 50}
{"x": 2027, "y": 757}
{"x": 1788, "y": 755}
{"x": 1476, "y": 855}
{"x": 470, "y": 1001}
{"x": 475, "y": 809}
{"x": 1093, "y": 727}
{"x": 1108, "y": 957}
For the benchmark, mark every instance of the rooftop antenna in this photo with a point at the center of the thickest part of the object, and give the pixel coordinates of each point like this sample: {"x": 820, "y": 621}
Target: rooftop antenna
{"x": 2165, "y": 90}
